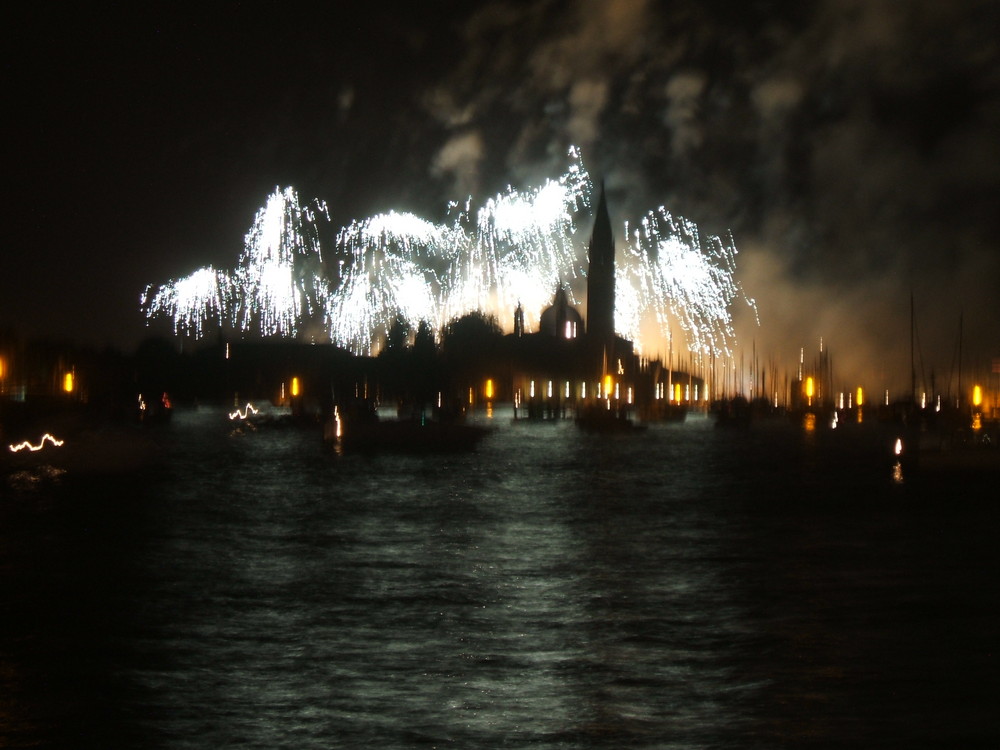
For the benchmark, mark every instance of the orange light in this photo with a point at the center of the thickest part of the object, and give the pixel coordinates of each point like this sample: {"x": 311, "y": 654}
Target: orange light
{"x": 295, "y": 387}
{"x": 810, "y": 387}
{"x": 489, "y": 388}
{"x": 977, "y": 396}
{"x": 68, "y": 382}
{"x": 2, "y": 368}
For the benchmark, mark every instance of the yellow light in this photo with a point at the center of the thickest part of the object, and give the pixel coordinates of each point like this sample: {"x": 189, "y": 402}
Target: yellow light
{"x": 810, "y": 387}
{"x": 470, "y": 396}
{"x": 294, "y": 390}
{"x": 860, "y": 396}
{"x": 2, "y": 368}
{"x": 677, "y": 392}
{"x": 977, "y": 396}
{"x": 608, "y": 386}
{"x": 489, "y": 388}
{"x": 68, "y": 382}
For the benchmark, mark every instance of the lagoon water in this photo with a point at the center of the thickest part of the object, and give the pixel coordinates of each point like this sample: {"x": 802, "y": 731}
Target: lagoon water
{"x": 689, "y": 587}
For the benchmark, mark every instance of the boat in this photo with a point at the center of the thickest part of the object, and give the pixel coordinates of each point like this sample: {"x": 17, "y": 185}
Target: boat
{"x": 366, "y": 432}
{"x": 607, "y": 421}
{"x": 734, "y": 412}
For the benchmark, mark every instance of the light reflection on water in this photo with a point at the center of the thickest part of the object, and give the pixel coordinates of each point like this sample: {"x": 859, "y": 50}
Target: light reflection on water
{"x": 689, "y": 587}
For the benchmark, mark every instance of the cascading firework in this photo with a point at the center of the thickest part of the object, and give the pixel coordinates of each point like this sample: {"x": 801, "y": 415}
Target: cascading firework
{"x": 673, "y": 273}
{"x": 513, "y": 250}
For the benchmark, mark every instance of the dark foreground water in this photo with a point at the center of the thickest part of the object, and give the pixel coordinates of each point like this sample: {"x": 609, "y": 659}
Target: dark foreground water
{"x": 687, "y": 588}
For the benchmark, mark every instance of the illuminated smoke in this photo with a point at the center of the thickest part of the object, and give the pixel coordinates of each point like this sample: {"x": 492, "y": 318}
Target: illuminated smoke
{"x": 513, "y": 250}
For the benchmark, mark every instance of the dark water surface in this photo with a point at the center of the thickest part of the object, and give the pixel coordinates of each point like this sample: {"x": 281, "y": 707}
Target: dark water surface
{"x": 690, "y": 587}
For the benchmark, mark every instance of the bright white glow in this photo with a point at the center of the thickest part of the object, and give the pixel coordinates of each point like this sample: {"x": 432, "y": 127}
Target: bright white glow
{"x": 898, "y": 449}
{"x": 671, "y": 271}
{"x": 46, "y": 438}
{"x": 243, "y": 414}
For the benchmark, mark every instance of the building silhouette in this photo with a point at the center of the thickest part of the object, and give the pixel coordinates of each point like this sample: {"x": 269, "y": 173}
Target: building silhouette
{"x": 601, "y": 276}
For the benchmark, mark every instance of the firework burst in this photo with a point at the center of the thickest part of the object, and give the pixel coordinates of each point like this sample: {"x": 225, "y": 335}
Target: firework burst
{"x": 513, "y": 250}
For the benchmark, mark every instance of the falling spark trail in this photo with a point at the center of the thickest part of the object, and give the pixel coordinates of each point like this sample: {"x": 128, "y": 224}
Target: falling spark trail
{"x": 513, "y": 249}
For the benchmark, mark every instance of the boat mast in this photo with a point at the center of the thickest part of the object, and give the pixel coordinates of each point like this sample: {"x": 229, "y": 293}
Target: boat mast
{"x": 960, "y": 360}
{"x": 913, "y": 367}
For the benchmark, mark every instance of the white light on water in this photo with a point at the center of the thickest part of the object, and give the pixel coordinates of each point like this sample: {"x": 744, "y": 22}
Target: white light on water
{"x": 244, "y": 413}
{"x": 46, "y": 438}
{"x": 393, "y": 265}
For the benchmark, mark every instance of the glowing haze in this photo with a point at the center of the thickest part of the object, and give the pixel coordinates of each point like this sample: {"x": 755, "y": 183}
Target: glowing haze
{"x": 512, "y": 250}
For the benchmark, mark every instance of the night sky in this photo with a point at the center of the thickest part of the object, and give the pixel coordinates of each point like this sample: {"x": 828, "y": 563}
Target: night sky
{"x": 852, "y": 147}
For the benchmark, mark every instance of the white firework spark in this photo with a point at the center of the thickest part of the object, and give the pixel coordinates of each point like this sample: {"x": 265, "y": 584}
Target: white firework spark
{"x": 398, "y": 265}
{"x": 192, "y": 301}
{"x": 276, "y": 291}
{"x": 674, "y": 273}
{"x": 276, "y": 286}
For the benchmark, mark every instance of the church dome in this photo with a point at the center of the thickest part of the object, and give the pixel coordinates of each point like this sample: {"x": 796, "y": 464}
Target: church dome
{"x": 561, "y": 319}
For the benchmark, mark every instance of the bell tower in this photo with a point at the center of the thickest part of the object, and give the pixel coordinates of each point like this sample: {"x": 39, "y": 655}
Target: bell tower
{"x": 601, "y": 276}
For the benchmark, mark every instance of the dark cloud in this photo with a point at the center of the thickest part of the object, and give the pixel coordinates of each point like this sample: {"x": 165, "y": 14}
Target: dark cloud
{"x": 849, "y": 146}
